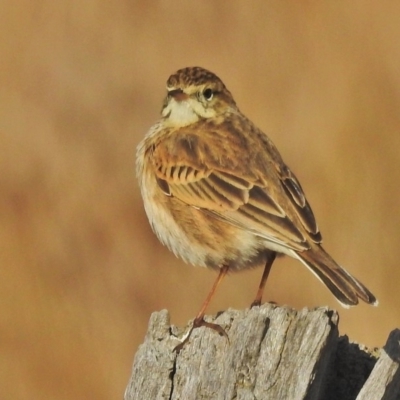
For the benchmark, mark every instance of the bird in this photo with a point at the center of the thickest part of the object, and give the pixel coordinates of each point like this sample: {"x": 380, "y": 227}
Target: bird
{"x": 218, "y": 194}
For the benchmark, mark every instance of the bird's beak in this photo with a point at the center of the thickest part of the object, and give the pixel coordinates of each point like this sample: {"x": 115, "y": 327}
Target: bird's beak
{"x": 178, "y": 94}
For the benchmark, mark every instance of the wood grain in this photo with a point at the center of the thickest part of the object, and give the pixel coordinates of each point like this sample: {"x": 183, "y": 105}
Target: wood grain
{"x": 272, "y": 353}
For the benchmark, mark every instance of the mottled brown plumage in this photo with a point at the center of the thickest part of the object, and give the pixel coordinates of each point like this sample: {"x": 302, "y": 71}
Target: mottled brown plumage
{"x": 217, "y": 192}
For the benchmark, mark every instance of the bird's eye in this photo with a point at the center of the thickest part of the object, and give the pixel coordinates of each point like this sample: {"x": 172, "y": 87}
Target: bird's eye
{"x": 208, "y": 94}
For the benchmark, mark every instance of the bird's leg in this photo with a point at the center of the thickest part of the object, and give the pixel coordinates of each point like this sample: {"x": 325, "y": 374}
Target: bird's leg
{"x": 267, "y": 268}
{"x": 199, "y": 320}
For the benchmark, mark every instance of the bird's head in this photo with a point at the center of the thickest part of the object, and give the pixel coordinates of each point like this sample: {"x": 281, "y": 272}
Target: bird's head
{"x": 194, "y": 93}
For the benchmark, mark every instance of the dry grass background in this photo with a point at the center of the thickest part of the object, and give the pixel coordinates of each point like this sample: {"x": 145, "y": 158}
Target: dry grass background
{"x": 81, "y": 82}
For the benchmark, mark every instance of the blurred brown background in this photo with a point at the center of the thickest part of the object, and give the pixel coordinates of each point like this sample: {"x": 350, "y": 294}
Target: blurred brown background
{"x": 81, "y": 82}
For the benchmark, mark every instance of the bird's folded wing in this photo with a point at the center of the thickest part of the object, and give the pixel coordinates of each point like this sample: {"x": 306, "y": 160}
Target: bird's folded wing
{"x": 239, "y": 198}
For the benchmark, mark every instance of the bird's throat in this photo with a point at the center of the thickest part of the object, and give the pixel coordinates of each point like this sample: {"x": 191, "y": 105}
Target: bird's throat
{"x": 180, "y": 113}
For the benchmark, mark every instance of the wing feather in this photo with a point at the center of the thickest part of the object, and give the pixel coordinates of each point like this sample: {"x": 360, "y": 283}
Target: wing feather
{"x": 232, "y": 192}
{"x": 260, "y": 198}
{"x": 259, "y": 195}
{"x": 295, "y": 193}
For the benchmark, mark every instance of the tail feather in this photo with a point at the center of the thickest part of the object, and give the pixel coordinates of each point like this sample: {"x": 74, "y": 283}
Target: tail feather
{"x": 343, "y": 286}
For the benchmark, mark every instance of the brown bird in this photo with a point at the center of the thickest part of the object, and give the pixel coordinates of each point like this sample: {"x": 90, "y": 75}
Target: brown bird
{"x": 218, "y": 194}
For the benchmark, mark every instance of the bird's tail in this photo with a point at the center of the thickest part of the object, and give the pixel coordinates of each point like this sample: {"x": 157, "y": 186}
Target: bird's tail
{"x": 344, "y": 287}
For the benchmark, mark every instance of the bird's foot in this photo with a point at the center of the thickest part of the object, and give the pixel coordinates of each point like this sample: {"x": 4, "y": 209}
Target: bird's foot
{"x": 198, "y": 323}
